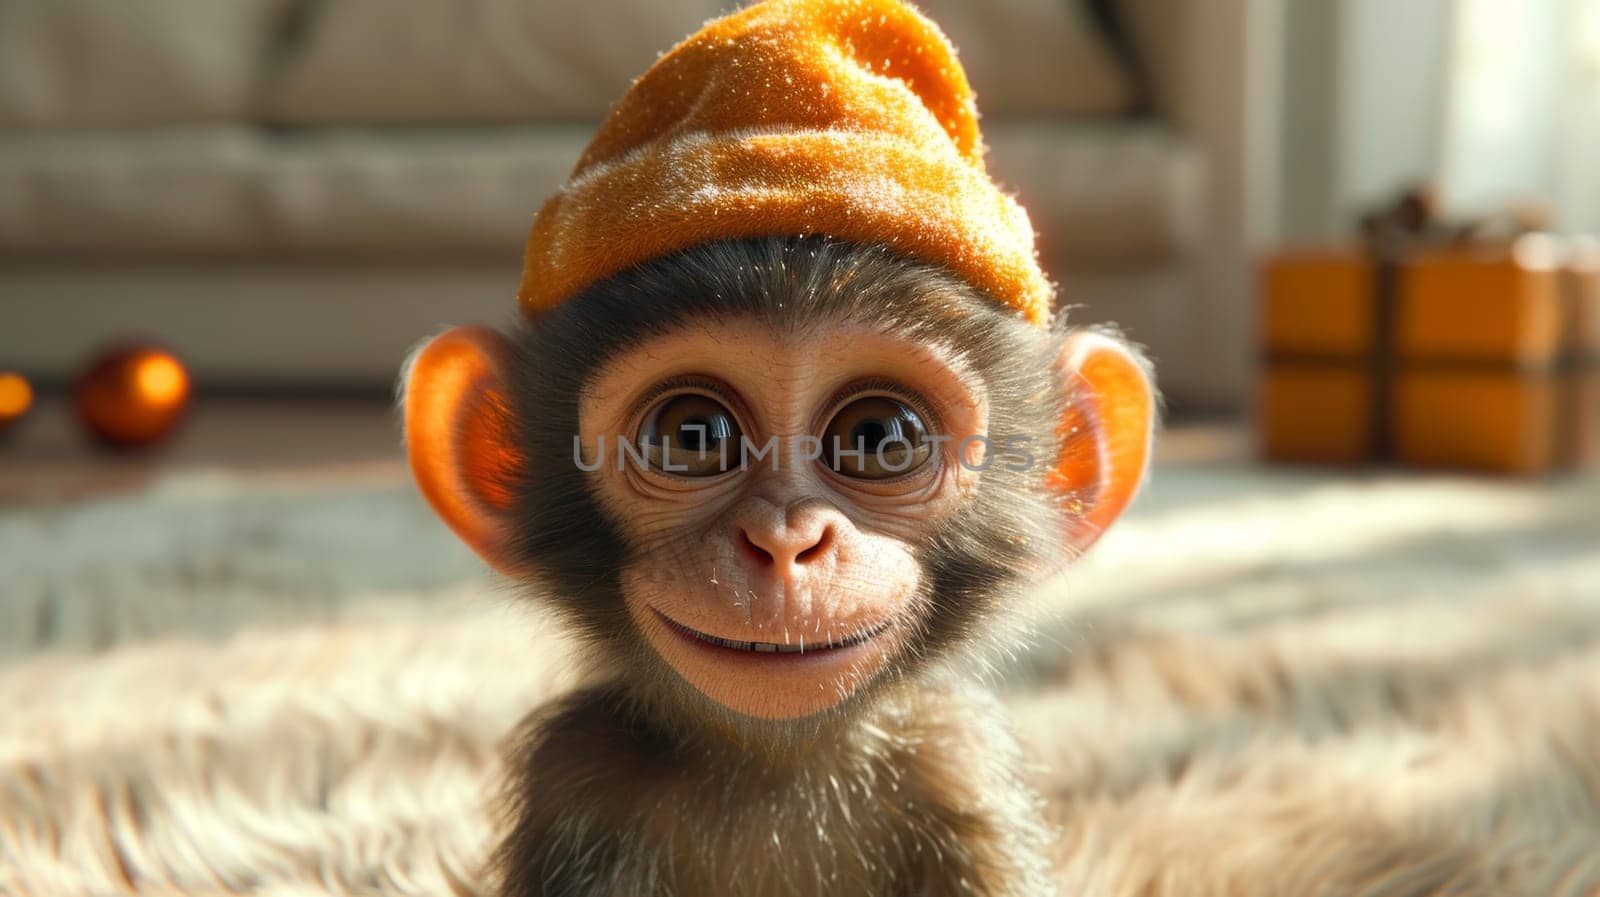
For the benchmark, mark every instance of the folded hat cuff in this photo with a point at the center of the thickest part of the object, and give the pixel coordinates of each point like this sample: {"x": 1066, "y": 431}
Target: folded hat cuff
{"x": 921, "y": 199}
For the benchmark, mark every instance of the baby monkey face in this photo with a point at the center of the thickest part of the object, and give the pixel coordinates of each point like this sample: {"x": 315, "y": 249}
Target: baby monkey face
{"x": 772, "y": 475}
{"x": 775, "y": 488}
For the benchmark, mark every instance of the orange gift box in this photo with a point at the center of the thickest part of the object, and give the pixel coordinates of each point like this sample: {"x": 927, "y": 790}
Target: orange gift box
{"x": 1464, "y": 356}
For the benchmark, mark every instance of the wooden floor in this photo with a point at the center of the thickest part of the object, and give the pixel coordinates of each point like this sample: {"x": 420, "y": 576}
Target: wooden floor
{"x": 48, "y": 457}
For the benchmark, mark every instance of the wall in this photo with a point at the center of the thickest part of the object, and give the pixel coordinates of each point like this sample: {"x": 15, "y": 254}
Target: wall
{"x": 1363, "y": 106}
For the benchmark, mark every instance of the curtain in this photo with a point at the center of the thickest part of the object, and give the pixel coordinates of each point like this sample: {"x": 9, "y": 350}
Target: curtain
{"x": 1522, "y": 116}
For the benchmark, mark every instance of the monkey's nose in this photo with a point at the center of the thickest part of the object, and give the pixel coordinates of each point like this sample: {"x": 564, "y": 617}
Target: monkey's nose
{"x": 791, "y": 546}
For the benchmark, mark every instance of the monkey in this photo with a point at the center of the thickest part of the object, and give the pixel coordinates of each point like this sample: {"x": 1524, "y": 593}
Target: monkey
{"x": 783, "y": 464}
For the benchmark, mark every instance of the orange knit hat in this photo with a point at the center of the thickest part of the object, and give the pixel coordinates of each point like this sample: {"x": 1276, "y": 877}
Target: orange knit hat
{"x": 850, "y": 118}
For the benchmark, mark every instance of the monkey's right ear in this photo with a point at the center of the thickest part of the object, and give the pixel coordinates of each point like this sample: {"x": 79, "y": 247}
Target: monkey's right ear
{"x": 1105, "y": 432}
{"x": 459, "y": 437}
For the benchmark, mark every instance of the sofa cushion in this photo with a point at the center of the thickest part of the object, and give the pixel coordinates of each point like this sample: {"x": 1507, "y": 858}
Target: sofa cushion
{"x": 178, "y": 188}
{"x": 511, "y": 61}
{"x": 87, "y": 63}
{"x": 1033, "y": 57}
{"x": 473, "y": 61}
{"x": 1095, "y": 193}
{"x": 232, "y": 190}
{"x": 1102, "y": 195}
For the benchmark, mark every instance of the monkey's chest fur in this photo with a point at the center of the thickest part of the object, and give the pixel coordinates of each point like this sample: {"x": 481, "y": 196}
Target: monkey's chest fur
{"x": 922, "y": 796}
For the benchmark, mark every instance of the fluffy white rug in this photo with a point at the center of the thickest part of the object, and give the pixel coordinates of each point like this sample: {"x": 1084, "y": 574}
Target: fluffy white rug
{"x": 1260, "y": 684}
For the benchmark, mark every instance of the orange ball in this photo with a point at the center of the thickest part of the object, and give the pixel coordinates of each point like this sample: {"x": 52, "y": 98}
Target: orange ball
{"x": 16, "y": 397}
{"x": 132, "y": 396}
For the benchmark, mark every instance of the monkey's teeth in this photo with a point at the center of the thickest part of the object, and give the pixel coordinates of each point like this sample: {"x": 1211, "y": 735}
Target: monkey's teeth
{"x": 775, "y": 647}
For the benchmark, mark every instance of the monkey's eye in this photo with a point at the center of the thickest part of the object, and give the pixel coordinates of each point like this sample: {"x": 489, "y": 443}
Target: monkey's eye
{"x": 690, "y": 435}
{"x": 876, "y": 438}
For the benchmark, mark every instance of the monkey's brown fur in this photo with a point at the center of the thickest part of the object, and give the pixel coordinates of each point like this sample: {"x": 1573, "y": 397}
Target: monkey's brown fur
{"x": 920, "y": 795}
{"x": 640, "y": 785}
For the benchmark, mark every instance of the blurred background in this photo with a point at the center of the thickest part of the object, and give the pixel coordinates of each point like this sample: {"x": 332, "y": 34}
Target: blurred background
{"x": 289, "y": 192}
{"x": 223, "y": 224}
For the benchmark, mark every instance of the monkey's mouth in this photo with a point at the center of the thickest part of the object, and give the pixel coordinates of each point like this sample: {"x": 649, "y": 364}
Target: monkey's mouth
{"x": 754, "y": 647}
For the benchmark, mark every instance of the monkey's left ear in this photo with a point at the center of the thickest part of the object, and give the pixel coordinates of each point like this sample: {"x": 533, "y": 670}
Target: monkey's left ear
{"x": 1105, "y": 432}
{"x": 458, "y": 437}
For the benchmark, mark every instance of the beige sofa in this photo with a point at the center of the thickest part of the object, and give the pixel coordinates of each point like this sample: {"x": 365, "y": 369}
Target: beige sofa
{"x": 294, "y": 193}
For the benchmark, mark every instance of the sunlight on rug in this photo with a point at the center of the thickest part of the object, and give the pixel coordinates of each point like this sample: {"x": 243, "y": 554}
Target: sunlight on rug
{"x": 1259, "y": 685}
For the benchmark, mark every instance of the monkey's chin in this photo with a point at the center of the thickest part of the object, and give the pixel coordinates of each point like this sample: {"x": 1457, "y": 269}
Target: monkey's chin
{"x": 769, "y": 680}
